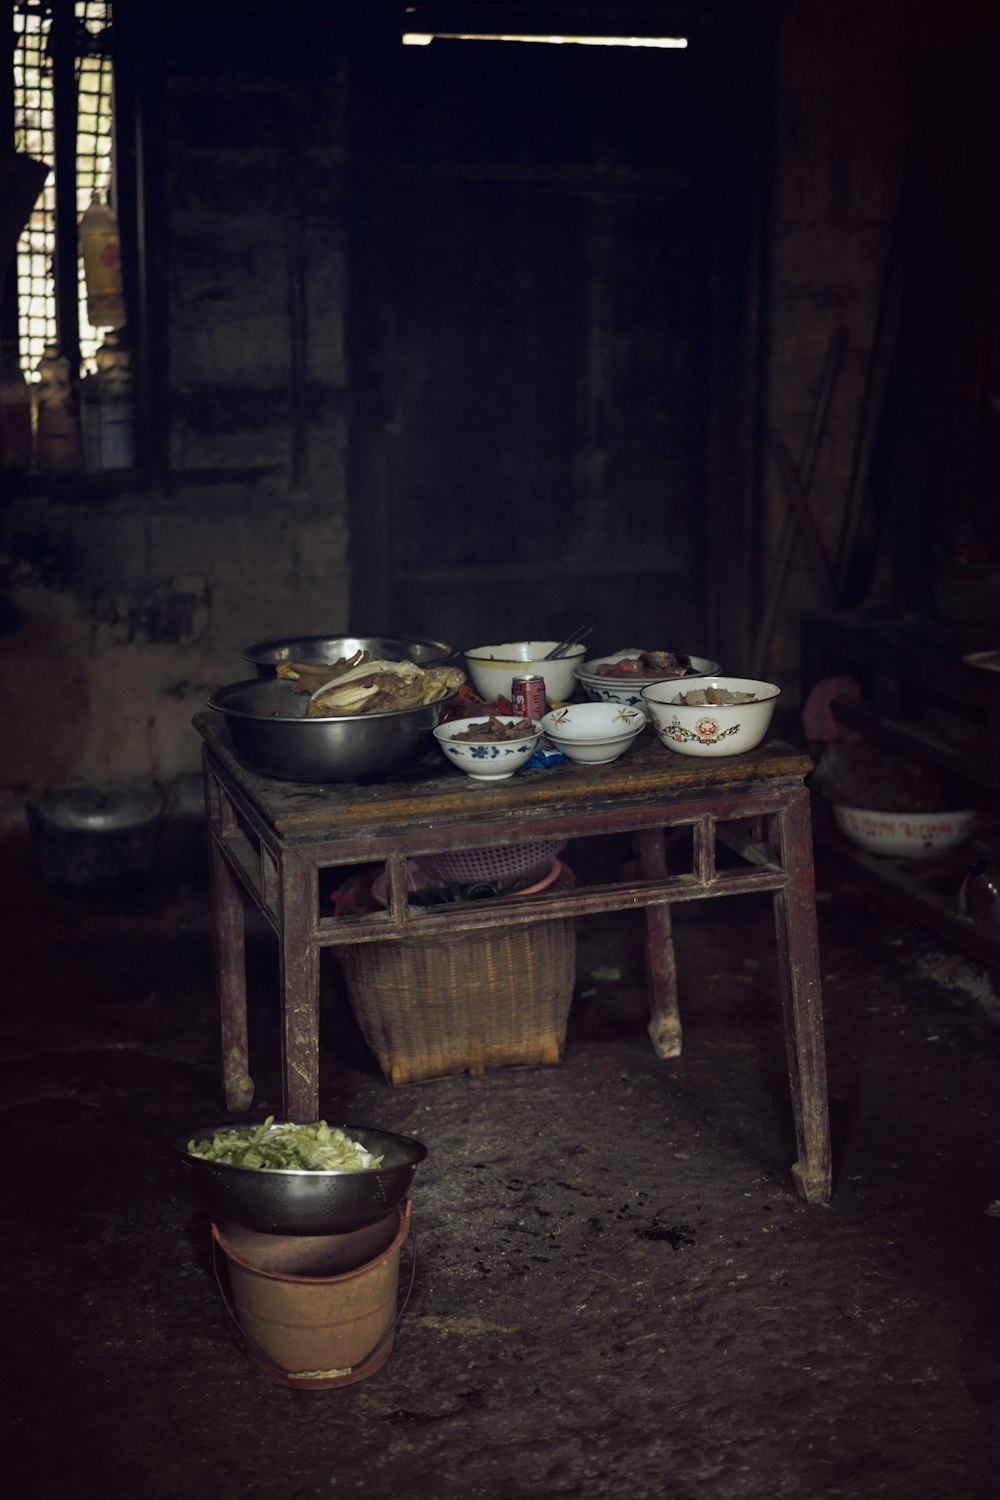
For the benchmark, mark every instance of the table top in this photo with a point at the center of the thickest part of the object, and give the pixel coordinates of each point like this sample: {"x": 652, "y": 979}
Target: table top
{"x": 432, "y": 791}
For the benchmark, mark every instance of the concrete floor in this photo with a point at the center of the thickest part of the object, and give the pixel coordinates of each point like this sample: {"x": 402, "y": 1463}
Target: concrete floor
{"x": 617, "y": 1291}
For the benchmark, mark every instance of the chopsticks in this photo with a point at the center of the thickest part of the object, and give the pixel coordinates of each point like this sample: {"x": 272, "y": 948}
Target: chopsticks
{"x": 579, "y": 634}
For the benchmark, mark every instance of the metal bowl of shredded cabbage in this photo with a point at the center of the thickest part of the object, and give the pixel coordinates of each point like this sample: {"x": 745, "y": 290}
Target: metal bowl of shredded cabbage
{"x": 284, "y": 1177}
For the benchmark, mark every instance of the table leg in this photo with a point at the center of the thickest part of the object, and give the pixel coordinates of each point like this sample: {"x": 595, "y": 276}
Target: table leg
{"x": 231, "y": 983}
{"x": 801, "y": 993}
{"x": 299, "y": 959}
{"x": 661, "y": 964}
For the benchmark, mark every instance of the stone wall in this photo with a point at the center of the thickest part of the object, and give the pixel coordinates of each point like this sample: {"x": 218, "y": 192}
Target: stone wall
{"x": 124, "y": 606}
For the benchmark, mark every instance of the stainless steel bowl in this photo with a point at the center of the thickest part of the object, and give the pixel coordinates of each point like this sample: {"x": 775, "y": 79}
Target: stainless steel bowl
{"x": 266, "y": 721}
{"x": 298, "y": 1202}
{"x": 266, "y": 655}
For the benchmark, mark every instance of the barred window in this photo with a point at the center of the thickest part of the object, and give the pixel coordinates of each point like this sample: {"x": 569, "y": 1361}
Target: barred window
{"x": 63, "y": 108}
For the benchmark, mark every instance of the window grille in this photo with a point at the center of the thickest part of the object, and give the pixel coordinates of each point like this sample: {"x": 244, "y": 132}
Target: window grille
{"x": 39, "y": 100}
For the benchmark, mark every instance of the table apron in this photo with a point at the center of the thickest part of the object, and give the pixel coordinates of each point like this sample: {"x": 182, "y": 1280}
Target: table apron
{"x": 260, "y": 870}
{"x": 375, "y": 843}
{"x": 496, "y": 912}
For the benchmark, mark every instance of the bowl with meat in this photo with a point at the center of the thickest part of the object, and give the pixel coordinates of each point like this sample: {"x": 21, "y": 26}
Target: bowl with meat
{"x": 330, "y": 650}
{"x": 713, "y": 715}
{"x": 620, "y": 678}
{"x": 341, "y": 721}
{"x": 490, "y": 748}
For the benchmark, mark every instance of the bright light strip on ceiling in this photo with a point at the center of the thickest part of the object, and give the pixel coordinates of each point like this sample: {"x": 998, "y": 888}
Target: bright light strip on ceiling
{"x": 424, "y": 39}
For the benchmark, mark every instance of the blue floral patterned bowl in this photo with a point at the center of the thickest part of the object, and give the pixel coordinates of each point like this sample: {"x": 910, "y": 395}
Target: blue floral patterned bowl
{"x": 627, "y": 691}
{"x": 486, "y": 760}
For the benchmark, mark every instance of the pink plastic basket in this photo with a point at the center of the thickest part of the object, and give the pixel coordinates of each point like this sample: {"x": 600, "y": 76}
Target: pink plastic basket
{"x": 416, "y": 878}
{"x": 500, "y": 865}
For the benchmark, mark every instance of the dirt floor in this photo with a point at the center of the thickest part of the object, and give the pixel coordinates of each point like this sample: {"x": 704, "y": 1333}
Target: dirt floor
{"x": 617, "y": 1292}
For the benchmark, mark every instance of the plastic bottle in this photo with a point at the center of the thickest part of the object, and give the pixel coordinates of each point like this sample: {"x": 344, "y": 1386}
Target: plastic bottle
{"x": 114, "y": 389}
{"x": 101, "y": 251}
{"x": 979, "y": 895}
{"x": 90, "y": 423}
{"x": 58, "y": 448}
{"x": 15, "y": 414}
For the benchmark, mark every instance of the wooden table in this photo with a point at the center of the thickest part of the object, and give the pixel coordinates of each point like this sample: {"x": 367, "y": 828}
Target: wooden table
{"x": 271, "y": 839}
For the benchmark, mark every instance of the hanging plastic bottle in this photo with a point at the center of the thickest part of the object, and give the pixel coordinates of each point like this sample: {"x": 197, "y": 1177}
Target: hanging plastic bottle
{"x": 979, "y": 895}
{"x": 15, "y": 413}
{"x": 57, "y": 417}
{"x": 100, "y": 248}
{"x": 114, "y": 389}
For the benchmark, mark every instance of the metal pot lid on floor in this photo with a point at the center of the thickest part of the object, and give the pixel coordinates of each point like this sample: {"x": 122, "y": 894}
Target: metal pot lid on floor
{"x": 99, "y": 808}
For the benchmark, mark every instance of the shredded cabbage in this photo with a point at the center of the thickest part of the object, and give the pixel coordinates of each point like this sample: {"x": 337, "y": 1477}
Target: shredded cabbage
{"x": 311, "y": 1148}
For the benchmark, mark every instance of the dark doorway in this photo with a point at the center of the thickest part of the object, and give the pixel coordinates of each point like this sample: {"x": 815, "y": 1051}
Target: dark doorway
{"x": 553, "y": 313}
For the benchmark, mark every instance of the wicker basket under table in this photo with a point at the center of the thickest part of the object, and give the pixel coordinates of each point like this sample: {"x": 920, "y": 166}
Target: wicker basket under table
{"x": 464, "y": 1002}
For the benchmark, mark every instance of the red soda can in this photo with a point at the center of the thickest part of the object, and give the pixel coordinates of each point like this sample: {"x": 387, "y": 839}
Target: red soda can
{"x": 527, "y": 696}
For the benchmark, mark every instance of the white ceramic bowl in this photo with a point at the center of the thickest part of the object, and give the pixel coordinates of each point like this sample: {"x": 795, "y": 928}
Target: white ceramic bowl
{"x": 628, "y": 690}
{"x": 486, "y": 760}
{"x": 906, "y": 835}
{"x": 712, "y": 729}
{"x": 594, "y": 732}
{"x": 492, "y": 668}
